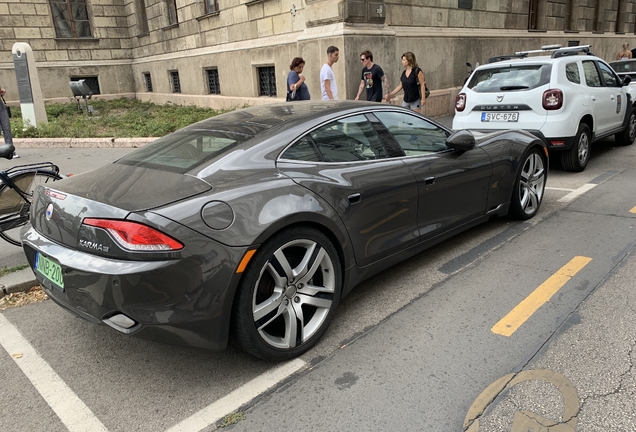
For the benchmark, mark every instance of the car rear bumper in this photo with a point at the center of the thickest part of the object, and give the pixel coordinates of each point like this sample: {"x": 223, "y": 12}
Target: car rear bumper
{"x": 182, "y": 302}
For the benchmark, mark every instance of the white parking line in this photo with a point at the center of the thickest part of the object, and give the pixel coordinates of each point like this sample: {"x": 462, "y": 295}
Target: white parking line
{"x": 239, "y": 397}
{"x": 559, "y": 189}
{"x": 578, "y": 192}
{"x": 75, "y": 415}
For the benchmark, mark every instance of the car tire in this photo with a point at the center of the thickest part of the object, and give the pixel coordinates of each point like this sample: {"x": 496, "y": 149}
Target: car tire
{"x": 529, "y": 186}
{"x": 626, "y": 137}
{"x": 576, "y": 158}
{"x": 288, "y": 294}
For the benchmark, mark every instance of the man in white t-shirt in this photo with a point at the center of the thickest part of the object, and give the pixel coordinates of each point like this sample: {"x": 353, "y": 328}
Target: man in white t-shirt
{"x": 327, "y": 77}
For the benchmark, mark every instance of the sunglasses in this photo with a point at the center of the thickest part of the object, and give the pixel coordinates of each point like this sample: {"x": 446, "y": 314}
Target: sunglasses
{"x": 363, "y": 59}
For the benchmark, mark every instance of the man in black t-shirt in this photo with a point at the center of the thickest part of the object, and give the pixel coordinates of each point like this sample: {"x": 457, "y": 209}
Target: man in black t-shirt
{"x": 372, "y": 78}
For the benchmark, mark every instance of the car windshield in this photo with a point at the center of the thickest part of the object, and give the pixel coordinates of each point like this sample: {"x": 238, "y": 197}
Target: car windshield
{"x": 510, "y": 77}
{"x": 181, "y": 151}
{"x": 624, "y": 66}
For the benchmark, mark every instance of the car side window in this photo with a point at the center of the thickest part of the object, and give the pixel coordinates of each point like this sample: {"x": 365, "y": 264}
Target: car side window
{"x": 608, "y": 75}
{"x": 592, "y": 78}
{"x": 572, "y": 73}
{"x": 302, "y": 150}
{"x": 415, "y": 135}
{"x": 349, "y": 139}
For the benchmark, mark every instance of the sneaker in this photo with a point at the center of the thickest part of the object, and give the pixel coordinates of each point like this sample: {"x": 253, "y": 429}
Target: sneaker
{"x": 15, "y": 155}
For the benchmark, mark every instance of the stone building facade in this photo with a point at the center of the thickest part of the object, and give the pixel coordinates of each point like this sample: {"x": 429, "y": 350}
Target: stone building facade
{"x": 224, "y": 53}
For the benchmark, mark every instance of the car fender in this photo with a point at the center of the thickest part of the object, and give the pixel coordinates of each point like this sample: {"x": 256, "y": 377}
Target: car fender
{"x": 506, "y": 150}
{"x": 281, "y": 203}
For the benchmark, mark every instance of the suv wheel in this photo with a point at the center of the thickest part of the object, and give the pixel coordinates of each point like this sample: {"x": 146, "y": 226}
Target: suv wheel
{"x": 578, "y": 156}
{"x": 627, "y": 136}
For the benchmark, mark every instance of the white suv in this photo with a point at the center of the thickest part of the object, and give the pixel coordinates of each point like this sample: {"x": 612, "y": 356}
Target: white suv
{"x": 567, "y": 99}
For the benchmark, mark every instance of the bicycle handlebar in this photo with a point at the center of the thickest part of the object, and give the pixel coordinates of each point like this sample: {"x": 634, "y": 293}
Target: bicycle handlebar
{"x": 6, "y": 151}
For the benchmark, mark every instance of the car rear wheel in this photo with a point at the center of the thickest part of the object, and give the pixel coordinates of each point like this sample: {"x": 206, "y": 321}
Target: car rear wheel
{"x": 529, "y": 187}
{"x": 578, "y": 156}
{"x": 288, "y": 295}
{"x": 627, "y": 136}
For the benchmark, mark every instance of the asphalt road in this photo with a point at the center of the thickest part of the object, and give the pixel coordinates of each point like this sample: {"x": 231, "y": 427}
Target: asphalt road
{"x": 410, "y": 349}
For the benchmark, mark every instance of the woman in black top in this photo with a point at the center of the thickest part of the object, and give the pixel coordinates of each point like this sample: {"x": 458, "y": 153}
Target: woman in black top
{"x": 411, "y": 81}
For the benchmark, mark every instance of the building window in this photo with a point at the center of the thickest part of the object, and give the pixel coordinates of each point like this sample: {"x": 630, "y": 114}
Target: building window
{"x": 213, "y": 81}
{"x": 533, "y": 14}
{"x": 70, "y": 18}
{"x": 267, "y": 81}
{"x": 90, "y": 81}
{"x": 142, "y": 18}
{"x": 598, "y": 17}
{"x": 465, "y": 4}
{"x": 172, "y": 12}
{"x": 148, "y": 81}
{"x": 211, "y": 6}
{"x": 176, "y": 84}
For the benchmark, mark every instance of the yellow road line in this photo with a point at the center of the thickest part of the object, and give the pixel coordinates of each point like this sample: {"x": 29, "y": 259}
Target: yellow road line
{"x": 633, "y": 210}
{"x": 524, "y": 310}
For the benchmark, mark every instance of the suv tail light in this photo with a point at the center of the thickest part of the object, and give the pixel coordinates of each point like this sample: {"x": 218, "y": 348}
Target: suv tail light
{"x": 460, "y": 102}
{"x": 552, "y": 99}
{"x": 135, "y": 236}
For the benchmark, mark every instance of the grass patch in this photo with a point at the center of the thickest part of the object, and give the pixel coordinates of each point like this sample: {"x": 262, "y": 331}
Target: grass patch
{"x": 119, "y": 118}
{"x": 7, "y": 270}
{"x": 231, "y": 419}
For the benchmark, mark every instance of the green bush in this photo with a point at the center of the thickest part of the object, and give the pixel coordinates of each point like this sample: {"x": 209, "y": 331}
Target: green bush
{"x": 119, "y": 118}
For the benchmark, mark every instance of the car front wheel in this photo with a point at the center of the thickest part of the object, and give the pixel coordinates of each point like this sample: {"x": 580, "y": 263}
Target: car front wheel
{"x": 288, "y": 295}
{"x": 529, "y": 187}
{"x": 578, "y": 156}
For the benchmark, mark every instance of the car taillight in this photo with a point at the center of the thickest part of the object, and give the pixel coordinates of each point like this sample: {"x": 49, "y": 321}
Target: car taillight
{"x": 460, "y": 102}
{"x": 552, "y": 99}
{"x": 135, "y": 236}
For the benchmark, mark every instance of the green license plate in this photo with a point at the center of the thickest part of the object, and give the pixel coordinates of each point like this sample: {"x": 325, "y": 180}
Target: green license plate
{"x": 49, "y": 269}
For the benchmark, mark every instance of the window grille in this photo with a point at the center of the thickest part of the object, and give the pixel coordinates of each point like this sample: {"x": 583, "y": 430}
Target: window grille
{"x": 176, "y": 84}
{"x": 148, "y": 82}
{"x": 267, "y": 81}
{"x": 211, "y": 6}
{"x": 70, "y": 18}
{"x": 172, "y": 12}
{"x": 91, "y": 82}
{"x": 213, "y": 81}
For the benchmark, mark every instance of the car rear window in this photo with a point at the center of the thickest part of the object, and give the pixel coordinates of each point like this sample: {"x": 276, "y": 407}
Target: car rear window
{"x": 510, "y": 78}
{"x": 183, "y": 150}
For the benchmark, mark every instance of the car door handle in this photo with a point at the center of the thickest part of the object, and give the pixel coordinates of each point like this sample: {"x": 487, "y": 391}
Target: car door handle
{"x": 355, "y": 198}
{"x": 429, "y": 180}
{"x": 594, "y": 98}
{"x": 612, "y": 97}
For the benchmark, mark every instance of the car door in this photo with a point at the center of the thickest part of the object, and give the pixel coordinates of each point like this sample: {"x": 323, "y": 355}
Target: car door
{"x": 346, "y": 163}
{"x": 452, "y": 185}
{"x": 603, "y": 99}
{"x": 616, "y": 92}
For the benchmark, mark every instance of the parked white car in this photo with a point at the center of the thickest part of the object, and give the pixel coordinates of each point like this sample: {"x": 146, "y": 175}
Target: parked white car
{"x": 565, "y": 96}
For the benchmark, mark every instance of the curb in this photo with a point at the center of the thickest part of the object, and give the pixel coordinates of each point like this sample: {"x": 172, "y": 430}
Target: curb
{"x": 20, "y": 281}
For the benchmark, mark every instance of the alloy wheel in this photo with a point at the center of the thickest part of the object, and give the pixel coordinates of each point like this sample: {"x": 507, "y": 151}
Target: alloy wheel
{"x": 532, "y": 184}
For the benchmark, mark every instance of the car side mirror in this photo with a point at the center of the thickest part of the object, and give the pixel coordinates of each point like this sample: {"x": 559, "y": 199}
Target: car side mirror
{"x": 627, "y": 80}
{"x": 461, "y": 140}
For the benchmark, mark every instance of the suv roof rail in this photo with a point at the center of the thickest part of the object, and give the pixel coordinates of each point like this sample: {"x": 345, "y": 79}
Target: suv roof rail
{"x": 559, "y": 51}
{"x": 572, "y": 51}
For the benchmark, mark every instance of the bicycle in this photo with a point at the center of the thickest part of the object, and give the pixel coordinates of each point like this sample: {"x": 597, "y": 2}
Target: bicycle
{"x": 16, "y": 193}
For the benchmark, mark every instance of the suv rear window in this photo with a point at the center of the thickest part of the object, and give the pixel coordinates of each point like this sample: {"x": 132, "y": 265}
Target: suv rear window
{"x": 510, "y": 78}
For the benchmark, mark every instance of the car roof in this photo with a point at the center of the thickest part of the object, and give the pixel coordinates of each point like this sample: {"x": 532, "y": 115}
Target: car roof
{"x": 258, "y": 119}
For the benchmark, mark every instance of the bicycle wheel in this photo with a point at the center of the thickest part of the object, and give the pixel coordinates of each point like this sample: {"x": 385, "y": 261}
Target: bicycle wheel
{"x": 14, "y": 211}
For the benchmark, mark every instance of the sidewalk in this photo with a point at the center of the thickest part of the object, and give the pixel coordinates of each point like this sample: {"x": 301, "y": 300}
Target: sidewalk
{"x": 76, "y": 155}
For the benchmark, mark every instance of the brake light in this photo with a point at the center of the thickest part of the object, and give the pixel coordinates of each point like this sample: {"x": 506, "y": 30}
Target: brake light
{"x": 552, "y": 99}
{"x": 460, "y": 102}
{"x": 135, "y": 236}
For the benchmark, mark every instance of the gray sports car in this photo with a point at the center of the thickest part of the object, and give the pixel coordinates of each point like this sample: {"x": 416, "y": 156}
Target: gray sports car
{"x": 256, "y": 222}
